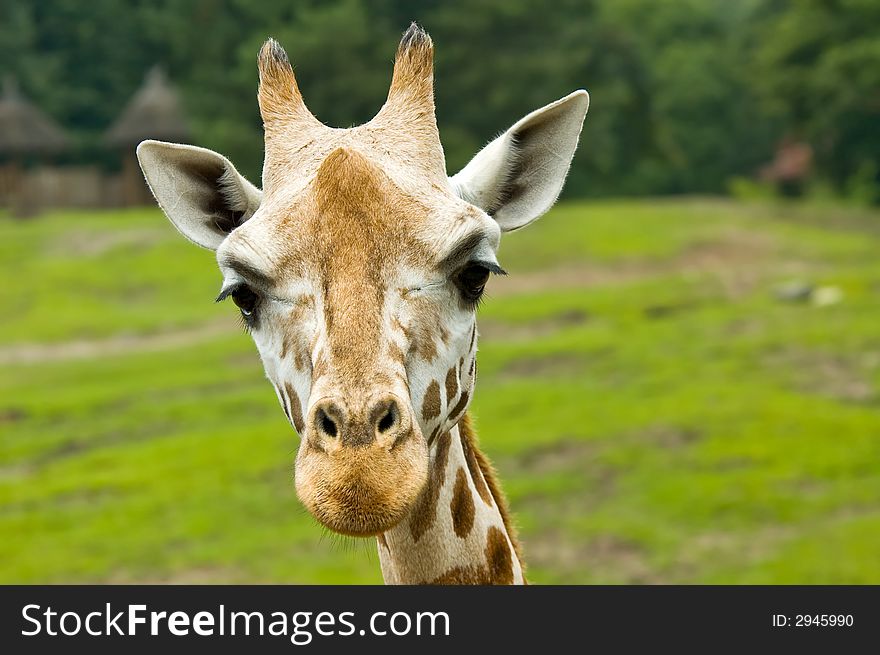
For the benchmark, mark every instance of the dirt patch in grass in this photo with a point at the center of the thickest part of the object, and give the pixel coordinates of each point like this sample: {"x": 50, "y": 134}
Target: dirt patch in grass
{"x": 733, "y": 250}
{"x": 552, "y": 458}
{"x": 576, "y": 461}
{"x": 845, "y": 377}
{"x": 495, "y": 330}
{"x": 558, "y": 365}
{"x": 736, "y": 259}
{"x": 572, "y": 276}
{"x": 666, "y": 436}
{"x": 717, "y": 546}
{"x": 660, "y": 311}
{"x": 94, "y": 244}
{"x": 89, "y": 498}
{"x": 123, "y": 344}
{"x": 837, "y": 378}
{"x": 12, "y": 415}
{"x": 584, "y": 457}
{"x": 624, "y": 560}
{"x": 78, "y": 447}
{"x": 14, "y": 472}
{"x": 746, "y": 327}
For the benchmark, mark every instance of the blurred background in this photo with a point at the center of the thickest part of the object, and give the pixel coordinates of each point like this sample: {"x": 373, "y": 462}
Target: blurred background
{"x": 679, "y": 380}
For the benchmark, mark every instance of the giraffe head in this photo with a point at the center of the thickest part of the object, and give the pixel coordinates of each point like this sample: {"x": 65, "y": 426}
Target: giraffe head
{"x": 358, "y": 267}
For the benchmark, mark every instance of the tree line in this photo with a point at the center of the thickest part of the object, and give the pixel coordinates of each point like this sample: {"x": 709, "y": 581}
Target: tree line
{"x": 686, "y": 94}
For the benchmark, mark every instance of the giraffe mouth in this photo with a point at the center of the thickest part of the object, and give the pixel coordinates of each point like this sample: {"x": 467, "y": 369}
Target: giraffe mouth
{"x": 362, "y": 491}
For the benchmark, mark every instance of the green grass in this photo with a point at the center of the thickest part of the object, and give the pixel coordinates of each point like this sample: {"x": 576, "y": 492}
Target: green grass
{"x": 656, "y": 414}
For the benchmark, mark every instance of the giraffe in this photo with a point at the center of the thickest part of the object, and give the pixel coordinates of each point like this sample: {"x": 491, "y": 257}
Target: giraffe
{"x": 357, "y": 269}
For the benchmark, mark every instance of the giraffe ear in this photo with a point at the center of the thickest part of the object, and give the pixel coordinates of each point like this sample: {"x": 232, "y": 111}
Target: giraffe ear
{"x": 199, "y": 190}
{"x": 518, "y": 176}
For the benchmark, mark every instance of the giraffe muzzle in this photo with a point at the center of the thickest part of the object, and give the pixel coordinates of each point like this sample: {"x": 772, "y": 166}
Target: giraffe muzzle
{"x": 361, "y": 467}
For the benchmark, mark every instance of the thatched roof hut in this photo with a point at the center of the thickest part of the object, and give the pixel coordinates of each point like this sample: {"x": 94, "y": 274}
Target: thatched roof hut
{"x": 24, "y": 129}
{"x": 154, "y": 112}
{"x": 26, "y": 133}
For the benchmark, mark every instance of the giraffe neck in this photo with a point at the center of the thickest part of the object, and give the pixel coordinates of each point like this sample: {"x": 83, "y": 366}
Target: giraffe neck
{"x": 458, "y": 532}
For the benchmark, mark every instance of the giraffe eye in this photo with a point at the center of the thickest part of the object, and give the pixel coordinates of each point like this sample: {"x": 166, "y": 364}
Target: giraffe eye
{"x": 472, "y": 281}
{"x": 246, "y": 300}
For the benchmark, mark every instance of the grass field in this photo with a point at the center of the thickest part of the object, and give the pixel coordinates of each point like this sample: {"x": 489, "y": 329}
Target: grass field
{"x": 656, "y": 413}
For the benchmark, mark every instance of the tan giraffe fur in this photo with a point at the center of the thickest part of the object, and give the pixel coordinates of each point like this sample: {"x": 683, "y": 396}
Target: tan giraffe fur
{"x": 357, "y": 268}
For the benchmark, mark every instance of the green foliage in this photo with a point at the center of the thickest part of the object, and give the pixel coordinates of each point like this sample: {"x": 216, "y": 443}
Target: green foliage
{"x": 655, "y": 413}
{"x": 820, "y": 65}
{"x": 684, "y": 94}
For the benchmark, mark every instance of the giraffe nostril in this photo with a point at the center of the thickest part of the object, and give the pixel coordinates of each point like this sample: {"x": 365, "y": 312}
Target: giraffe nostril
{"x": 327, "y": 424}
{"x": 385, "y": 417}
{"x": 388, "y": 420}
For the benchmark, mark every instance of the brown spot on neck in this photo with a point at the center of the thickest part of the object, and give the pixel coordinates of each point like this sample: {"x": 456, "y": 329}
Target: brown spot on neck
{"x": 425, "y": 509}
{"x": 295, "y": 408}
{"x": 459, "y": 406}
{"x": 431, "y": 402}
{"x": 499, "y": 557}
{"x": 462, "y": 505}
{"x": 433, "y": 436}
{"x": 451, "y": 384}
{"x": 476, "y": 471}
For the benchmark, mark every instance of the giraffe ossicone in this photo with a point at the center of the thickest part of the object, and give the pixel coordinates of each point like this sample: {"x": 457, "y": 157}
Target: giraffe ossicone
{"x": 357, "y": 270}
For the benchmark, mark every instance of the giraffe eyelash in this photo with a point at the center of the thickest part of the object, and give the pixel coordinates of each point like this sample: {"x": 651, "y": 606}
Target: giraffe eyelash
{"x": 245, "y": 325}
{"x": 492, "y": 266}
{"x": 225, "y": 292}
